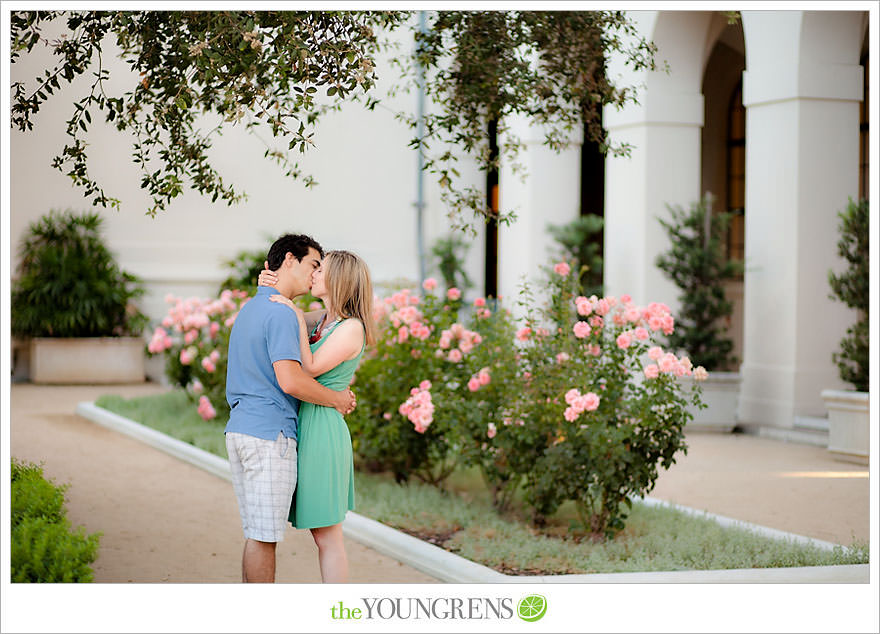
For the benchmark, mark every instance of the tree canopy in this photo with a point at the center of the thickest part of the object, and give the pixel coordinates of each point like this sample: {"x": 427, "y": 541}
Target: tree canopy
{"x": 281, "y": 70}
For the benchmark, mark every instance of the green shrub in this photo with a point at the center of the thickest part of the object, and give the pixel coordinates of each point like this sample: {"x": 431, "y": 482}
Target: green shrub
{"x": 450, "y": 254}
{"x": 581, "y": 240}
{"x": 69, "y": 284}
{"x": 43, "y": 547}
{"x": 851, "y": 287}
{"x": 698, "y": 265}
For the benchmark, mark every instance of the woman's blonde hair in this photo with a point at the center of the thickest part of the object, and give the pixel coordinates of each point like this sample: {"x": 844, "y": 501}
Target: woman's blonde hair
{"x": 348, "y": 283}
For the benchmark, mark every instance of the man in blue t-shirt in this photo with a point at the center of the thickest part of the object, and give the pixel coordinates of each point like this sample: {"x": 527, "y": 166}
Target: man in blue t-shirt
{"x": 264, "y": 384}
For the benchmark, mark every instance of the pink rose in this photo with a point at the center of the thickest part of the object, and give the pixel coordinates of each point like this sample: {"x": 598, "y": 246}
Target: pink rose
{"x": 402, "y": 334}
{"x": 429, "y": 284}
{"x": 197, "y": 386}
{"x": 655, "y": 352}
{"x": 582, "y": 329}
{"x": 454, "y": 355}
{"x": 387, "y": 415}
{"x": 590, "y": 401}
{"x": 562, "y": 269}
{"x": 667, "y": 362}
{"x": 186, "y": 356}
{"x": 626, "y": 299}
{"x": 572, "y": 395}
{"x": 208, "y": 364}
{"x": 595, "y": 350}
{"x": 480, "y": 302}
{"x": 596, "y": 321}
{"x": 473, "y": 384}
{"x": 641, "y": 334}
{"x": 584, "y": 307}
{"x": 190, "y": 336}
{"x": 652, "y": 371}
{"x": 624, "y": 340}
{"x": 214, "y": 356}
{"x": 603, "y": 306}
{"x": 484, "y": 377}
{"x": 215, "y": 328}
{"x": 562, "y": 357}
{"x": 205, "y": 409}
{"x": 571, "y": 414}
{"x": 425, "y": 385}
{"x": 453, "y": 294}
{"x": 700, "y": 373}
{"x": 491, "y": 431}
{"x": 523, "y": 333}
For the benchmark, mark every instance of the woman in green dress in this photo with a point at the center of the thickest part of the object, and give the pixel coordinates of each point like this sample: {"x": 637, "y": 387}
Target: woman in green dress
{"x": 325, "y": 468}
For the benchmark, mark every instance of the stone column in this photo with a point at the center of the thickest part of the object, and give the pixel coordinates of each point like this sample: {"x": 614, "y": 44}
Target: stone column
{"x": 549, "y": 194}
{"x": 801, "y": 90}
{"x": 664, "y": 166}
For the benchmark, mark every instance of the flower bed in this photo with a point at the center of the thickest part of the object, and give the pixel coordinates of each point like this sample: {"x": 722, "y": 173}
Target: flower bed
{"x": 574, "y": 403}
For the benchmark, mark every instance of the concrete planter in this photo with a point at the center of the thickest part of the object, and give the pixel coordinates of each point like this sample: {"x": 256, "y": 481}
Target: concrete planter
{"x": 849, "y": 432}
{"x": 87, "y": 360}
{"x": 720, "y": 392}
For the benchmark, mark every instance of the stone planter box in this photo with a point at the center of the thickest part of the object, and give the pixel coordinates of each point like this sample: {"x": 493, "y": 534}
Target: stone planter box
{"x": 87, "y": 360}
{"x": 720, "y": 392}
{"x": 849, "y": 431}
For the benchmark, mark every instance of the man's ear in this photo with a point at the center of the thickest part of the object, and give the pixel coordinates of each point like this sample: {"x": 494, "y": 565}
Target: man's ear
{"x": 289, "y": 259}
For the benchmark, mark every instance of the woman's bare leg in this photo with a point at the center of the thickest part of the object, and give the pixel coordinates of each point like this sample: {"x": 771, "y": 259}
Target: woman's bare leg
{"x": 331, "y": 553}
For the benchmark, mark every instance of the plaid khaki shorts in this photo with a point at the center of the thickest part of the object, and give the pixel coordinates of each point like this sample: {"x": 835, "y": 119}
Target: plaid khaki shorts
{"x": 264, "y": 477}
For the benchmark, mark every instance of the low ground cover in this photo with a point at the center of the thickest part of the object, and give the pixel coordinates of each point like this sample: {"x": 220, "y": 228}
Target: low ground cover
{"x": 461, "y": 518}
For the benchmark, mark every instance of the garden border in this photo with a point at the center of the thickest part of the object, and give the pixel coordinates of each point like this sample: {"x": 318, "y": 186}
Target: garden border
{"x": 451, "y": 568}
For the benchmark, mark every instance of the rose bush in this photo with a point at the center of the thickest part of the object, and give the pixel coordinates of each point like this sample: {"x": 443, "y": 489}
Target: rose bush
{"x": 598, "y": 410}
{"x": 194, "y": 339}
{"x": 406, "y": 385}
{"x": 577, "y": 404}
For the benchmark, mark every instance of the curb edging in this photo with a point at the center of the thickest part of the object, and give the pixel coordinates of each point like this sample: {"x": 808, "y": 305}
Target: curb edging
{"x": 451, "y": 568}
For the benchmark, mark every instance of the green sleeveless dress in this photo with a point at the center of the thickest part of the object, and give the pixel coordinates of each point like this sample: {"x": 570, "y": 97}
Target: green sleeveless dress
{"x": 325, "y": 466}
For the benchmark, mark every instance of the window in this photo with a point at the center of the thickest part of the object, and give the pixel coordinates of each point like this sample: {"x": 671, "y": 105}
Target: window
{"x": 736, "y": 174}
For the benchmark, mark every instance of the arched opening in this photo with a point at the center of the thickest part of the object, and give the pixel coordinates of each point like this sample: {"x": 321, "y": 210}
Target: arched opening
{"x": 864, "y": 165}
{"x": 723, "y": 150}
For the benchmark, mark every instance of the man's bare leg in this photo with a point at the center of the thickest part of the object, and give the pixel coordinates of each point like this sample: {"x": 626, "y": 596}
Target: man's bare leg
{"x": 258, "y": 562}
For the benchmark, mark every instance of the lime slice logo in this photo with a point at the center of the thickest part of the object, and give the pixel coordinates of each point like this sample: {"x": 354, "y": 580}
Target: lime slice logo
{"x": 532, "y": 608}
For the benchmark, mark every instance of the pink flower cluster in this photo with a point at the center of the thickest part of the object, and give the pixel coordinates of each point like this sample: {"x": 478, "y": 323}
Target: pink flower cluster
{"x": 404, "y": 316}
{"x": 418, "y": 408}
{"x": 465, "y": 339}
{"x": 482, "y": 311}
{"x": 668, "y": 363}
{"x": 478, "y": 380}
{"x": 206, "y": 410}
{"x": 579, "y": 403}
{"x": 190, "y": 317}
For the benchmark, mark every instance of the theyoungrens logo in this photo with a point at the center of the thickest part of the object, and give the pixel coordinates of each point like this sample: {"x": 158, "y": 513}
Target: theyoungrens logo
{"x": 530, "y": 608}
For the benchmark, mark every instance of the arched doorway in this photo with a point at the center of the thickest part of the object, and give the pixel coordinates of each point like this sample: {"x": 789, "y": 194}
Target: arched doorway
{"x": 723, "y": 150}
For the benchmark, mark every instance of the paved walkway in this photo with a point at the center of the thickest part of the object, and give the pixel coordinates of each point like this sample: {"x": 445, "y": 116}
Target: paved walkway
{"x": 164, "y": 520}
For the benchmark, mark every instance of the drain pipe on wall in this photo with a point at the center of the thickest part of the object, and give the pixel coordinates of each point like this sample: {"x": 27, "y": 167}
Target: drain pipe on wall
{"x": 420, "y": 174}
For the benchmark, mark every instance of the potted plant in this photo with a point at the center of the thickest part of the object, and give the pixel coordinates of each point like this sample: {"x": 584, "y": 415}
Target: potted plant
{"x": 848, "y": 420}
{"x": 698, "y": 264}
{"x": 74, "y": 305}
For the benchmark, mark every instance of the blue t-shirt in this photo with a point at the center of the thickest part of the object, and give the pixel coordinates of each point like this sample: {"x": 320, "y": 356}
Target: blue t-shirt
{"x": 263, "y": 332}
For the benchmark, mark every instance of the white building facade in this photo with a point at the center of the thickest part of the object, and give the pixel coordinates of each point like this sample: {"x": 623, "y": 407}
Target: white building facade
{"x": 766, "y": 114}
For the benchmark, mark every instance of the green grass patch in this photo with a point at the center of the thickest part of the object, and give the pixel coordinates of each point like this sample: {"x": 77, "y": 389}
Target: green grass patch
{"x": 463, "y": 521}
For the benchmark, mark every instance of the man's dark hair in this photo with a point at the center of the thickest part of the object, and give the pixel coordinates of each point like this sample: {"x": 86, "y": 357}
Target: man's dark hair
{"x": 297, "y": 244}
